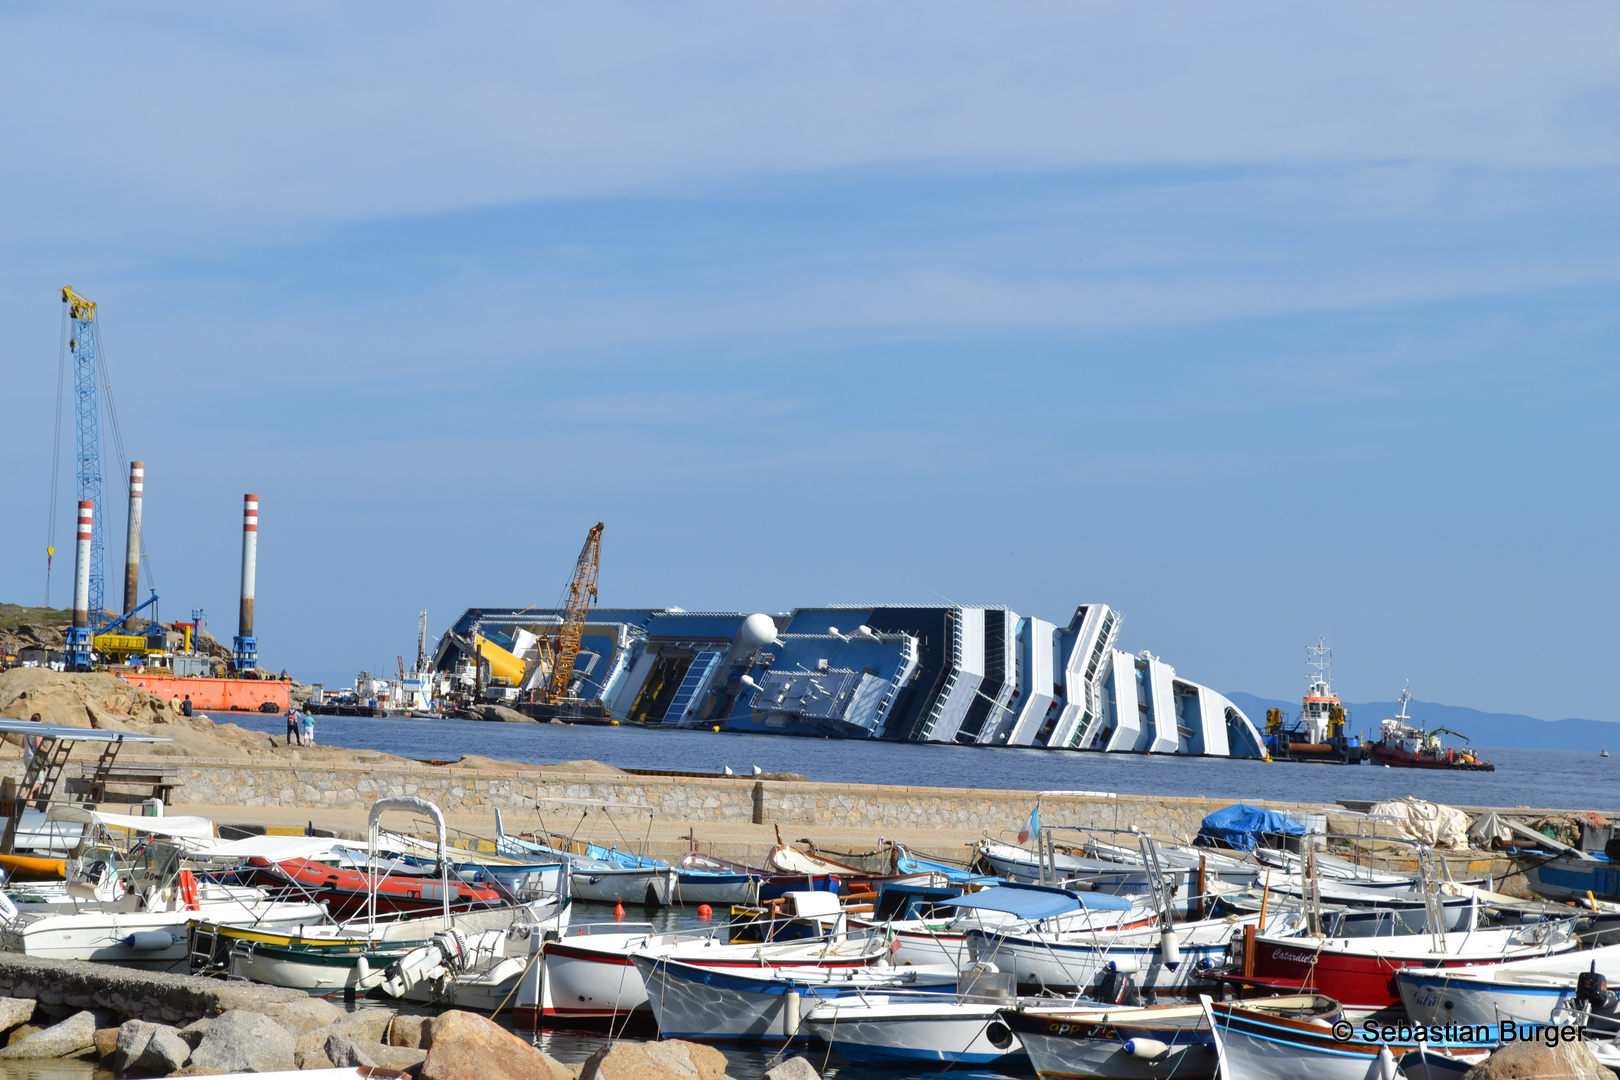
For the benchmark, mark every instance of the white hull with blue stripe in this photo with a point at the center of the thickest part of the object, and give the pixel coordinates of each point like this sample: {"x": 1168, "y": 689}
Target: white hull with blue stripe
{"x": 1524, "y": 991}
{"x": 894, "y": 1029}
{"x": 764, "y": 1005}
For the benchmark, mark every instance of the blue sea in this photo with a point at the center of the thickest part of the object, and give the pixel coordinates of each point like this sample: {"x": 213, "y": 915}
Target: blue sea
{"x": 1558, "y": 779}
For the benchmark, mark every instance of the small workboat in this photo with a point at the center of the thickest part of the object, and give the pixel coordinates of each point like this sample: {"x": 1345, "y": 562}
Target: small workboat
{"x": 764, "y": 1005}
{"x": 1523, "y": 991}
{"x": 589, "y": 974}
{"x": 1400, "y": 745}
{"x": 911, "y": 1028}
{"x": 1156, "y": 1042}
{"x": 1258, "y": 1045}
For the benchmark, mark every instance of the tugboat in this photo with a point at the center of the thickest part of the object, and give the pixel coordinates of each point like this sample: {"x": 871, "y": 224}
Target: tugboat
{"x": 1405, "y": 747}
{"x": 1318, "y": 734}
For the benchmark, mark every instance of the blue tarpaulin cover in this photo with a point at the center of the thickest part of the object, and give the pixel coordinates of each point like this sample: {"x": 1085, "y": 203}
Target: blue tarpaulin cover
{"x": 1036, "y": 902}
{"x": 1239, "y": 826}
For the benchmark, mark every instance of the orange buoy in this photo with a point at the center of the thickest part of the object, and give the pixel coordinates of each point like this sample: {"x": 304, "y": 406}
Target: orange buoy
{"x": 618, "y": 910}
{"x": 705, "y": 911}
{"x": 188, "y": 891}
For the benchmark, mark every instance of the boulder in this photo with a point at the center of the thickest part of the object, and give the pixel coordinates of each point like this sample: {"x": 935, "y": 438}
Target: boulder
{"x": 670, "y": 1058}
{"x": 73, "y": 1035}
{"x": 106, "y": 1043}
{"x": 14, "y": 1011}
{"x": 165, "y": 1052}
{"x": 344, "y": 1053}
{"x": 301, "y": 1016}
{"x": 22, "y": 1031}
{"x": 241, "y": 1041}
{"x": 130, "y": 1044}
{"x": 1538, "y": 1061}
{"x": 364, "y": 1028}
{"x": 793, "y": 1068}
{"x": 193, "y": 1032}
{"x": 407, "y": 1031}
{"x": 464, "y": 1046}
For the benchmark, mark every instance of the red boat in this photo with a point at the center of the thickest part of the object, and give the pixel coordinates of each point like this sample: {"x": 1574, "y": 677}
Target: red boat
{"x": 1359, "y": 973}
{"x": 1403, "y": 746}
{"x": 345, "y": 890}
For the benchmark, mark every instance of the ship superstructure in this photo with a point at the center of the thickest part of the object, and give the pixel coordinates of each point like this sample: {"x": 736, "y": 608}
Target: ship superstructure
{"x": 968, "y": 674}
{"x": 1319, "y": 732}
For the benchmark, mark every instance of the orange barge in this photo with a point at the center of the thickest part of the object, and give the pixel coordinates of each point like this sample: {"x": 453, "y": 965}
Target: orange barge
{"x": 218, "y": 695}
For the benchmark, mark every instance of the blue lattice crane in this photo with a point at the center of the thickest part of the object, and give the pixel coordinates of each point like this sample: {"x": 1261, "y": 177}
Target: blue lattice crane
{"x": 83, "y": 342}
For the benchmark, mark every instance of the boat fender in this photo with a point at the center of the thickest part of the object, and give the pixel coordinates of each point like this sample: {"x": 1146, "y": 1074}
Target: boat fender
{"x": 790, "y": 1012}
{"x": 1128, "y": 966}
{"x": 1387, "y": 1069}
{"x": 362, "y": 973}
{"x": 1170, "y": 949}
{"x": 1146, "y": 1049}
{"x": 149, "y": 940}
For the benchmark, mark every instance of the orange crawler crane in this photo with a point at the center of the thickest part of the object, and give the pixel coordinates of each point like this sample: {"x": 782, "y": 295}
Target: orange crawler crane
{"x": 581, "y": 595}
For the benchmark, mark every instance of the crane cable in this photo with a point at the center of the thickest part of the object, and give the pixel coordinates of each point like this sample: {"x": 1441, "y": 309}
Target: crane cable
{"x": 56, "y": 458}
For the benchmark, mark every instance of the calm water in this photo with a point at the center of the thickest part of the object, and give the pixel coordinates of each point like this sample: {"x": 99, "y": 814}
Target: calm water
{"x": 1563, "y": 779}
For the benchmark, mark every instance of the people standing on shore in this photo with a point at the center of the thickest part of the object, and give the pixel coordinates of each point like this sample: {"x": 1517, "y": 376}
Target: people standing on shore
{"x": 295, "y": 728}
{"x": 309, "y": 729}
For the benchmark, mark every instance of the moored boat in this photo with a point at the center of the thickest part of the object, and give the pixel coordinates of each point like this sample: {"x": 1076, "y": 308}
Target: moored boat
{"x": 1156, "y": 1042}
{"x": 1400, "y": 745}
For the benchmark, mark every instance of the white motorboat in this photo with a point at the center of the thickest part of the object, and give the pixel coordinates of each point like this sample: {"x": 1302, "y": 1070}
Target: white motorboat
{"x": 137, "y": 916}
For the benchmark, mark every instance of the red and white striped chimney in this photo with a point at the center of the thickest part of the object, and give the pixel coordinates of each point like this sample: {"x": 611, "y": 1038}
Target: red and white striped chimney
{"x": 250, "y": 561}
{"x": 81, "y": 569}
{"x": 132, "y": 545}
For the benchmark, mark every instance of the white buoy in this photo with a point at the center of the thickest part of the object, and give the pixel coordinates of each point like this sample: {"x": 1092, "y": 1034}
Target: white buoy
{"x": 1387, "y": 1069}
{"x": 362, "y": 974}
{"x": 1170, "y": 949}
{"x": 1146, "y": 1049}
{"x": 790, "y": 1012}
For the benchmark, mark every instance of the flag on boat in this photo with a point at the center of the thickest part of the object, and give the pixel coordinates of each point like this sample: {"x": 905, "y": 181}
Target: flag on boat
{"x": 1032, "y": 827}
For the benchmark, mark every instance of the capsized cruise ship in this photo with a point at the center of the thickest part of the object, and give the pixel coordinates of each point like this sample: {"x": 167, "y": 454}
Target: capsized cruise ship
{"x": 920, "y": 673}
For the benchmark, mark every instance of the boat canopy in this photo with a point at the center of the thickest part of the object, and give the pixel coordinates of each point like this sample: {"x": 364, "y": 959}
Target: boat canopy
{"x": 69, "y": 733}
{"x": 1241, "y": 826}
{"x": 1034, "y": 903}
{"x": 272, "y": 848}
{"x": 184, "y": 828}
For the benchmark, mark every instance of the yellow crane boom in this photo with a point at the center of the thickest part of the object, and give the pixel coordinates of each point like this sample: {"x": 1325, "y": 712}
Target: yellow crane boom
{"x": 581, "y": 595}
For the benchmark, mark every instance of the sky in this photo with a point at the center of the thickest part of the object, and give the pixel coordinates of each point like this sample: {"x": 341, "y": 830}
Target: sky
{"x": 1258, "y": 322}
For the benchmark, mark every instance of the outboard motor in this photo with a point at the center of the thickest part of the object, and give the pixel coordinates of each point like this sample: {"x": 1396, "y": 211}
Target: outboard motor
{"x": 1114, "y": 986}
{"x": 1592, "y": 990}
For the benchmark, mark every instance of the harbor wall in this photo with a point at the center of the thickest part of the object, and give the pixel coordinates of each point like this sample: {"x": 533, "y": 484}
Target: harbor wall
{"x": 697, "y": 800}
{"x": 62, "y": 987}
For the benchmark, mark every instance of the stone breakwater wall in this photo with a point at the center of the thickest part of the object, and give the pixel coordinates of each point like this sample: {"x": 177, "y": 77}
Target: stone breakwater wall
{"x": 68, "y": 986}
{"x": 697, "y": 800}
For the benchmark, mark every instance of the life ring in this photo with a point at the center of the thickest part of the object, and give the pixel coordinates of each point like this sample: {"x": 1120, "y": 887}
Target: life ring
{"x": 188, "y": 891}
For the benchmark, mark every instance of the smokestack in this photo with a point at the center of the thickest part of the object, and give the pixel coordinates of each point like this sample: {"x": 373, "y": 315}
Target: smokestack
{"x": 250, "y": 561}
{"x": 245, "y": 649}
{"x": 81, "y": 570}
{"x": 132, "y": 546}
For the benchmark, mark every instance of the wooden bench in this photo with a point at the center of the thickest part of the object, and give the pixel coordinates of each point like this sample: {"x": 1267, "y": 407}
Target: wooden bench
{"x": 160, "y": 778}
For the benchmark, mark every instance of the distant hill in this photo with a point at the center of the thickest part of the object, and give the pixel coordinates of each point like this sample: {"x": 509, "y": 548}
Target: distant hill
{"x": 1482, "y": 728}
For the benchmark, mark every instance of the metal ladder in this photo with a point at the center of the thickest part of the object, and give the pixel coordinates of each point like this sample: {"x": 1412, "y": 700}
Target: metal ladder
{"x": 38, "y": 784}
{"x": 204, "y": 941}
